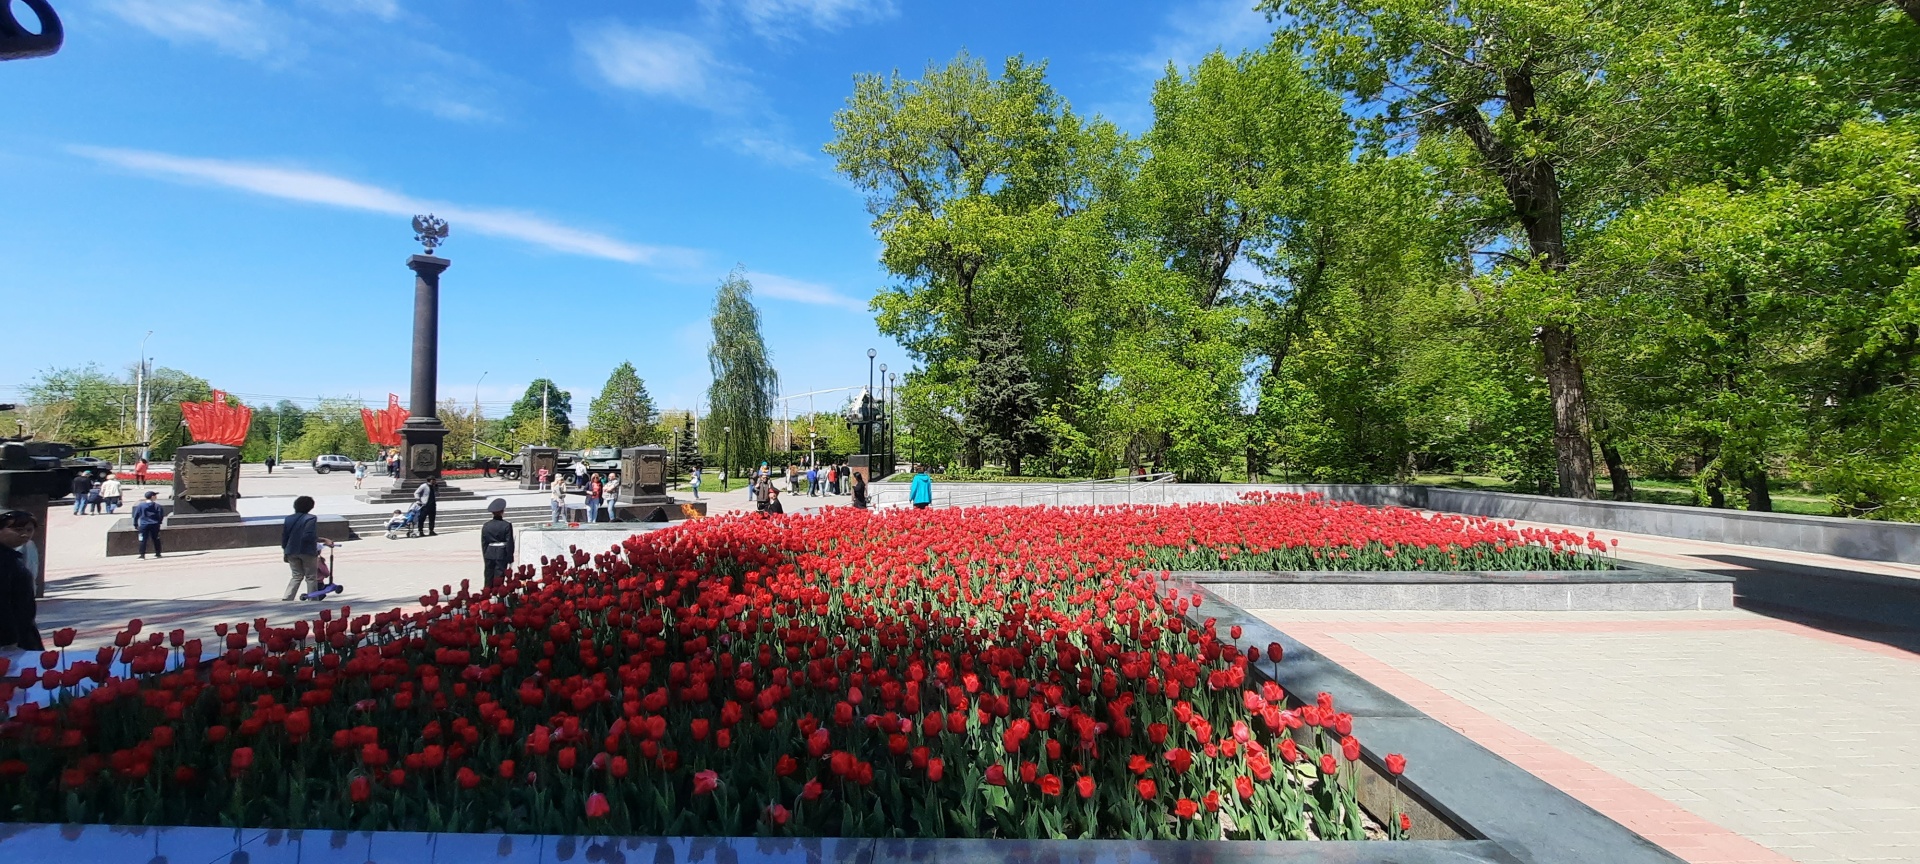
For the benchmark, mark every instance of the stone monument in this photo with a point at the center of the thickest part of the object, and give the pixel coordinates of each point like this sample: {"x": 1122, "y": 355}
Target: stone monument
{"x": 535, "y": 459}
{"x": 422, "y": 434}
{"x": 643, "y": 487}
{"x": 206, "y": 474}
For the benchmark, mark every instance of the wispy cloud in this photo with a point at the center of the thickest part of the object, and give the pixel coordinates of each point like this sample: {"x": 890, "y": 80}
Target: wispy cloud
{"x": 294, "y": 184}
{"x": 661, "y": 63}
{"x": 769, "y": 149}
{"x": 1202, "y": 27}
{"x": 244, "y": 28}
{"x": 385, "y": 10}
{"x": 776, "y": 19}
{"x": 797, "y": 291}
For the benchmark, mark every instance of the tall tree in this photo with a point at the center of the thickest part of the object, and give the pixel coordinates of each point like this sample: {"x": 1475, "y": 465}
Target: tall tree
{"x": 1526, "y": 85}
{"x": 622, "y": 415}
{"x": 744, "y": 386}
{"x": 523, "y": 421}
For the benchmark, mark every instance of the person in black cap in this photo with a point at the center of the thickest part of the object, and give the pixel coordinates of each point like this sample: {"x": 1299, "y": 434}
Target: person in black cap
{"x": 17, "y": 607}
{"x": 496, "y": 543}
{"x": 147, "y": 516}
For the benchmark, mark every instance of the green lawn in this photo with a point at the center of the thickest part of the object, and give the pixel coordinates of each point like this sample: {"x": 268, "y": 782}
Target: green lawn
{"x": 1785, "y": 500}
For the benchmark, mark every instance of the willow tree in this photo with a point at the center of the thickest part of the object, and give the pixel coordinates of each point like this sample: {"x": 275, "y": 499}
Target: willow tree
{"x": 744, "y": 384}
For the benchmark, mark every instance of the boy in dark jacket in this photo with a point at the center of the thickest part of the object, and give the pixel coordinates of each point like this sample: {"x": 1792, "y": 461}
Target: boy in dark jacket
{"x": 17, "y": 607}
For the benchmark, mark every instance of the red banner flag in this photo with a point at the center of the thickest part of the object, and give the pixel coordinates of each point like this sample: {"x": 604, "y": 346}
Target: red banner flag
{"x": 383, "y": 427}
{"x": 216, "y": 422}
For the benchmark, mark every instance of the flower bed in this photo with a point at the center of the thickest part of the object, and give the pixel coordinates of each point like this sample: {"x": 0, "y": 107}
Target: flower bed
{"x": 152, "y": 476}
{"x": 968, "y": 673}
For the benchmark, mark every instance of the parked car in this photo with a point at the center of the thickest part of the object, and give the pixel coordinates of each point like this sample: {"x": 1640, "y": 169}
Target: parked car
{"x": 323, "y": 464}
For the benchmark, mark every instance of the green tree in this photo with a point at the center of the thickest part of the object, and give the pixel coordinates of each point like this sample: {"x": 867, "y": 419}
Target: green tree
{"x": 622, "y": 415}
{"x": 523, "y": 424}
{"x": 744, "y": 386}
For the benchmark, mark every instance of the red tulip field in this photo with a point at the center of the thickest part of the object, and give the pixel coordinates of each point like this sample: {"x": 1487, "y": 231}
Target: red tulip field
{"x": 990, "y": 672}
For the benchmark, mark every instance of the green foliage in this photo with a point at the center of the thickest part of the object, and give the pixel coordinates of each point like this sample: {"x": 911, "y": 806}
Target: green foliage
{"x": 744, "y": 386}
{"x": 622, "y": 415}
{"x": 1413, "y": 236}
{"x": 522, "y": 425}
{"x": 332, "y": 427}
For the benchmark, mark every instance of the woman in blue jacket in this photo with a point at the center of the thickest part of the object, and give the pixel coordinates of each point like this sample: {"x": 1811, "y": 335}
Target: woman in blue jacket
{"x": 922, "y": 491}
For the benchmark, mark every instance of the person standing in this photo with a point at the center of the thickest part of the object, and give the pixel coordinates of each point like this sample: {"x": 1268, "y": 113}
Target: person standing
{"x": 359, "y": 474}
{"x": 17, "y": 606}
{"x": 763, "y": 492}
{"x": 300, "y": 543}
{"x": 610, "y": 493}
{"x": 140, "y": 471}
{"x": 82, "y": 486}
{"x": 496, "y": 543}
{"x": 593, "y": 499}
{"x": 696, "y": 482}
{"x": 559, "y": 499}
{"x": 269, "y": 464}
{"x": 427, "y": 495}
{"x": 110, "y": 493}
{"x": 96, "y": 501}
{"x": 921, "y": 492}
{"x": 580, "y": 471}
{"x": 859, "y": 492}
{"x": 147, "y": 517}
{"x": 544, "y": 476}
{"x": 773, "y": 503}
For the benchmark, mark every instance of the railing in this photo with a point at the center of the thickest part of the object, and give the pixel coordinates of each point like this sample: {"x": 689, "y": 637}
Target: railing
{"x": 1117, "y": 490}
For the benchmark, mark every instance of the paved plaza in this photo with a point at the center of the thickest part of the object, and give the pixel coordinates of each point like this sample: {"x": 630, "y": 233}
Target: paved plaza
{"x": 97, "y": 595}
{"x": 1724, "y": 736}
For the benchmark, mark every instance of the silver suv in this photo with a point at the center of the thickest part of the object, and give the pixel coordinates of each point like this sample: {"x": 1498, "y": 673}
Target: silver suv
{"x": 323, "y": 464}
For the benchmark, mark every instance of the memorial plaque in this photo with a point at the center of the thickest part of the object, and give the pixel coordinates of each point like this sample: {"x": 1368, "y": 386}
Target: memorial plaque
{"x": 424, "y": 458}
{"x": 644, "y": 472}
{"x": 206, "y": 477}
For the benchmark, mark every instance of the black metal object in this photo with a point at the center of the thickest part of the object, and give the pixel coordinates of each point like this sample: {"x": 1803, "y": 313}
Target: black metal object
{"x": 19, "y": 43}
{"x": 430, "y": 231}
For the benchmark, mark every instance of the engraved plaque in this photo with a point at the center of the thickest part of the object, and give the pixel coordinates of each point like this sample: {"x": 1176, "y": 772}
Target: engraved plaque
{"x": 205, "y": 478}
{"x": 423, "y": 458}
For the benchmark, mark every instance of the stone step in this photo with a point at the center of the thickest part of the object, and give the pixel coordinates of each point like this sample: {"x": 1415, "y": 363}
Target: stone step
{"x": 370, "y": 524}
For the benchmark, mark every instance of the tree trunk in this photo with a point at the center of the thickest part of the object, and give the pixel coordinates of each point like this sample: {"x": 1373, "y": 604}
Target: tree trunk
{"x": 1532, "y": 185}
{"x": 1617, "y": 471}
{"x": 1566, "y": 385}
{"x": 1759, "y": 500}
{"x": 1911, "y": 7}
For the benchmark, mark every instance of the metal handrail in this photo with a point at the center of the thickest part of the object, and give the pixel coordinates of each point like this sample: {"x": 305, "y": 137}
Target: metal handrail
{"x": 1039, "y": 492}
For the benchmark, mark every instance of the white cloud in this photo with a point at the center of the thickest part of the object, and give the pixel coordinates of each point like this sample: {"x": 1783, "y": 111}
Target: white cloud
{"x": 795, "y": 290}
{"x": 660, "y": 63}
{"x": 1194, "y": 31}
{"x": 774, "y": 19}
{"x": 385, "y": 10}
{"x": 245, "y": 28}
{"x": 770, "y": 150}
{"x": 312, "y": 187}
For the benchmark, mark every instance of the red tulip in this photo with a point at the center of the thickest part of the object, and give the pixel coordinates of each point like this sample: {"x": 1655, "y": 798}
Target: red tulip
{"x": 359, "y": 789}
{"x": 936, "y": 768}
{"x": 1328, "y": 765}
{"x": 467, "y": 778}
{"x": 810, "y": 791}
{"x": 777, "y": 815}
{"x": 242, "y": 760}
{"x": 597, "y": 806}
{"x": 1396, "y": 764}
{"x": 1183, "y": 808}
{"x": 1147, "y": 788}
{"x": 705, "y": 781}
{"x": 996, "y": 775}
{"x": 1244, "y": 786}
{"x": 1050, "y": 786}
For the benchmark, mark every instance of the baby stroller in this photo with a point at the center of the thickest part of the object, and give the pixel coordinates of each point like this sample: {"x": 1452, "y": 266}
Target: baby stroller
{"x": 408, "y": 522}
{"x": 327, "y": 585}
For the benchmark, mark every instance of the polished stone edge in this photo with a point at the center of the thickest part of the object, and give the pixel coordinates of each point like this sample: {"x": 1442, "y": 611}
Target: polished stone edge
{"x": 1628, "y": 588}
{"x": 184, "y": 845}
{"x": 246, "y": 533}
{"x": 1482, "y": 793}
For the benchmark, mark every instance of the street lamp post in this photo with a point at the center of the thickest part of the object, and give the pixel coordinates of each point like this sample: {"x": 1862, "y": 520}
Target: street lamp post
{"x": 475, "y": 454}
{"x": 726, "y": 461}
{"x": 882, "y": 419}
{"x": 893, "y": 438}
{"x": 866, "y": 439}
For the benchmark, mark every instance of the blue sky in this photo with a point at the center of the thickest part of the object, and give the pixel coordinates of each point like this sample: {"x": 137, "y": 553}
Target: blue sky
{"x": 237, "y": 176}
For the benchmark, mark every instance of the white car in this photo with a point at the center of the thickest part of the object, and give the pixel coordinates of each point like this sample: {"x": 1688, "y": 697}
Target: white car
{"x": 323, "y": 464}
